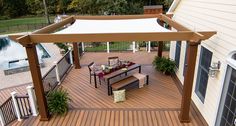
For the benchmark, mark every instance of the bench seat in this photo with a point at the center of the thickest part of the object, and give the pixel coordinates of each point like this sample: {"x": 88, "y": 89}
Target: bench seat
{"x": 122, "y": 83}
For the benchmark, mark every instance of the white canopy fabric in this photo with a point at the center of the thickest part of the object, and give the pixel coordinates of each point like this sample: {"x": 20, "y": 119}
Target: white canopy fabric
{"x": 82, "y": 26}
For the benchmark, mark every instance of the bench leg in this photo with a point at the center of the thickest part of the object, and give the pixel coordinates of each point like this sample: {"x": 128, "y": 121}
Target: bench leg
{"x": 111, "y": 91}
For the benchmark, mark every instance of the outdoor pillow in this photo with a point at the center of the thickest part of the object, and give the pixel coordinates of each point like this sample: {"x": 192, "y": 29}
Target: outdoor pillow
{"x": 114, "y": 62}
{"x": 119, "y": 96}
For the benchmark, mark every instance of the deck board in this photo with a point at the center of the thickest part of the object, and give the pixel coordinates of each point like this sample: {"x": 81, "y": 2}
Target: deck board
{"x": 156, "y": 104}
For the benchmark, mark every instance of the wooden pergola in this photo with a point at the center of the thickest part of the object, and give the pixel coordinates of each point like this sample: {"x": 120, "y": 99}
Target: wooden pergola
{"x": 44, "y": 35}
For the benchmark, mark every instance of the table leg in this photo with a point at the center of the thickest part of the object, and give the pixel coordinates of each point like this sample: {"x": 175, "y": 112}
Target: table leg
{"x": 95, "y": 81}
{"x": 139, "y": 69}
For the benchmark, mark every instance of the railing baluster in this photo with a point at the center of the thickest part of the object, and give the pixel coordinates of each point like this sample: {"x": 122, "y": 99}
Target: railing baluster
{"x": 26, "y": 108}
{"x": 18, "y": 105}
{"x": 29, "y": 109}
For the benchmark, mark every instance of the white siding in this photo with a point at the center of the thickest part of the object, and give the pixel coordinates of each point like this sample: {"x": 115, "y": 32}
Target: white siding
{"x": 202, "y": 15}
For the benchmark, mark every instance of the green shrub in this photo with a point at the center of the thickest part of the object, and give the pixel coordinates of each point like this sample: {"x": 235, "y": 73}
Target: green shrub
{"x": 58, "y": 101}
{"x": 154, "y": 44}
{"x": 62, "y": 46}
{"x": 165, "y": 65}
{"x": 142, "y": 44}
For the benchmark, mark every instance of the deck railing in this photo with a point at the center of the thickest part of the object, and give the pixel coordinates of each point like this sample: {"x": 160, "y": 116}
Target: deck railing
{"x": 18, "y": 107}
{"x": 24, "y": 106}
{"x": 7, "y": 112}
{"x": 50, "y": 80}
{"x": 57, "y": 73}
{"x": 117, "y": 46}
{"x": 63, "y": 65}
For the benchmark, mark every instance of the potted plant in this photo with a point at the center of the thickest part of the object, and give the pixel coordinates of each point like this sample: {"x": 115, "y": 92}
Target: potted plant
{"x": 58, "y": 101}
{"x": 165, "y": 65}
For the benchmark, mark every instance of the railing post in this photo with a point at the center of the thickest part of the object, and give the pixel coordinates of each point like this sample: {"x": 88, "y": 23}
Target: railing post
{"x": 71, "y": 57}
{"x": 2, "y": 118}
{"x": 149, "y": 46}
{"x": 133, "y": 46}
{"x": 13, "y": 95}
{"x": 57, "y": 73}
{"x": 82, "y": 47}
{"x": 108, "y": 47}
{"x": 32, "y": 100}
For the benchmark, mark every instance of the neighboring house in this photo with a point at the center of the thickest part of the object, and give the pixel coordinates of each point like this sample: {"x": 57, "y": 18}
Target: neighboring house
{"x": 214, "y": 97}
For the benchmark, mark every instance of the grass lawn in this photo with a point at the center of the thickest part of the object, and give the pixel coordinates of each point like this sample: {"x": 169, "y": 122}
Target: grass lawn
{"x": 22, "y": 24}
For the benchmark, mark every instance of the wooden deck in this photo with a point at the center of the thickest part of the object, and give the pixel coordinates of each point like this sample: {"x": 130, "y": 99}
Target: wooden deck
{"x": 157, "y": 104}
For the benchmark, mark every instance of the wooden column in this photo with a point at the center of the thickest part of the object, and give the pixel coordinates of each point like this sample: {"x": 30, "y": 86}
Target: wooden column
{"x": 76, "y": 56}
{"x": 160, "y": 48}
{"x": 188, "y": 82}
{"x": 37, "y": 81}
{"x": 160, "y": 43}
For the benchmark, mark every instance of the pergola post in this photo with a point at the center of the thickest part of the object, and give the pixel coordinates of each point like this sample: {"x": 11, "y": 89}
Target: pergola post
{"x": 188, "y": 82}
{"x": 160, "y": 43}
{"x": 37, "y": 81}
{"x": 160, "y": 48}
{"x": 76, "y": 55}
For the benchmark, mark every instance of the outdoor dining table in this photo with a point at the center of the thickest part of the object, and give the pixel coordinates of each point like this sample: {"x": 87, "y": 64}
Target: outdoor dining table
{"x": 109, "y": 76}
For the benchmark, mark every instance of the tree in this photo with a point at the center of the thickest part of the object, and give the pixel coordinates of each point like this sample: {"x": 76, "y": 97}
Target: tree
{"x": 35, "y": 7}
{"x": 13, "y": 8}
{"x": 46, "y": 11}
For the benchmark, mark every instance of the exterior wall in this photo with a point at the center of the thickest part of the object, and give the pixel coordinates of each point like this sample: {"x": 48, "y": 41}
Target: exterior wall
{"x": 217, "y": 15}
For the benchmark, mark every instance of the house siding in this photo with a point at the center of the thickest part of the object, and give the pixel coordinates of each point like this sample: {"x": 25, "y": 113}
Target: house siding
{"x": 202, "y": 15}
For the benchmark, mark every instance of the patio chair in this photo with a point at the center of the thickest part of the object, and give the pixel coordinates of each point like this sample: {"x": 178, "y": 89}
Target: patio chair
{"x": 112, "y": 61}
{"x": 92, "y": 71}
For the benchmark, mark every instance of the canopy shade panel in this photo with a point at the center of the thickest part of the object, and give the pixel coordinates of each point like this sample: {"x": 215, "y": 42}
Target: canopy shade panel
{"x": 83, "y": 26}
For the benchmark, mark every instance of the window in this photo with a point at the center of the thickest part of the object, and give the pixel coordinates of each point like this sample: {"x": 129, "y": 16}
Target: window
{"x": 203, "y": 69}
{"x": 177, "y": 53}
{"x": 185, "y": 59}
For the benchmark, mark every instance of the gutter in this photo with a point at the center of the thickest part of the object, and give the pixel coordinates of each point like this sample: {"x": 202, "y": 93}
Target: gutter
{"x": 173, "y": 6}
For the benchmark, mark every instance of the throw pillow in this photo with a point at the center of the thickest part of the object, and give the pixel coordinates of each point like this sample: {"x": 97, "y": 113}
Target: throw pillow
{"x": 119, "y": 96}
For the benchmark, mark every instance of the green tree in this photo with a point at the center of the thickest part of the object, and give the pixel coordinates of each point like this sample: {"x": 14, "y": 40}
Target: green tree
{"x": 35, "y": 7}
{"x": 13, "y": 8}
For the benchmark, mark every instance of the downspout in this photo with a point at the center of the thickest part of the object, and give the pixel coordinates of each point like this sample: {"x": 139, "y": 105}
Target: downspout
{"x": 173, "y": 6}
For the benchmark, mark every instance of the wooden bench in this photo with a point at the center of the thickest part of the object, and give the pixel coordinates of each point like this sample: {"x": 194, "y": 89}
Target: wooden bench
{"x": 124, "y": 82}
{"x": 128, "y": 82}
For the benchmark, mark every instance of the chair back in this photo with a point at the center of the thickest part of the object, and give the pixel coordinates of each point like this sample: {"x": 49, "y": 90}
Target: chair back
{"x": 113, "y": 60}
{"x": 89, "y": 67}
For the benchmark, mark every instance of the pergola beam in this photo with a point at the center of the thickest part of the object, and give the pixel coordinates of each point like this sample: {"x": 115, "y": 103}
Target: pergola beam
{"x": 55, "y": 26}
{"x": 117, "y": 17}
{"x": 159, "y": 36}
{"x": 173, "y": 23}
{"x": 179, "y": 27}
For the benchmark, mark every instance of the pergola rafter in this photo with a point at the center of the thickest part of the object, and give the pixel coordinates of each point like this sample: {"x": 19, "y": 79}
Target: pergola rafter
{"x": 44, "y": 36}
